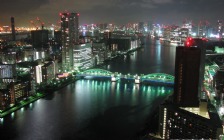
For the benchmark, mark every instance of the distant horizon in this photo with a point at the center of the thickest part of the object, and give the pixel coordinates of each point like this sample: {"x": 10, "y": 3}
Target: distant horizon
{"x": 179, "y": 23}
{"x": 119, "y": 12}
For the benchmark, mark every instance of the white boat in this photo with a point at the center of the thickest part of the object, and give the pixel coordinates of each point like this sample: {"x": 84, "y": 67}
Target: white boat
{"x": 176, "y": 41}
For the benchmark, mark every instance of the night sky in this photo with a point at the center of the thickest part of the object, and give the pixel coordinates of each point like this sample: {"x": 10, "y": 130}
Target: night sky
{"x": 112, "y": 11}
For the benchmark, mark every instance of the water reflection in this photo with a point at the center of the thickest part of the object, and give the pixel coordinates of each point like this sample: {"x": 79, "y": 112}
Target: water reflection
{"x": 153, "y": 58}
{"x": 94, "y": 109}
{"x": 104, "y": 107}
{"x": 1, "y": 120}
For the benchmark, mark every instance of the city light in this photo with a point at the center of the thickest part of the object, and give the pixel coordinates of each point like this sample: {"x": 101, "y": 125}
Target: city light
{"x": 221, "y": 110}
{"x": 56, "y": 60}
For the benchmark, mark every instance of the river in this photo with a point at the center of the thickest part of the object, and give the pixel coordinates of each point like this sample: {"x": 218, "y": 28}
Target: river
{"x": 97, "y": 109}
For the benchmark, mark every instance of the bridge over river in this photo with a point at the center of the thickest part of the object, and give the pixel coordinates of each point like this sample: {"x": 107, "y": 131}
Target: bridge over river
{"x": 153, "y": 78}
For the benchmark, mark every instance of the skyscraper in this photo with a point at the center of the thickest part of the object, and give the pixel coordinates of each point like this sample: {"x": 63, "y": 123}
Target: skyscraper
{"x": 13, "y": 29}
{"x": 187, "y": 68}
{"x": 185, "y": 117}
{"x": 39, "y": 39}
{"x": 70, "y": 37}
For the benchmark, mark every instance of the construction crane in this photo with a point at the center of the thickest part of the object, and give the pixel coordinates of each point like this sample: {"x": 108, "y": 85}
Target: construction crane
{"x": 34, "y": 24}
{"x": 42, "y": 23}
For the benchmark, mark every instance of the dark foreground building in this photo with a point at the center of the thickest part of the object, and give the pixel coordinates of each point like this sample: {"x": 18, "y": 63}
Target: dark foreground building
{"x": 187, "y": 116}
{"x": 189, "y": 123}
{"x": 187, "y": 66}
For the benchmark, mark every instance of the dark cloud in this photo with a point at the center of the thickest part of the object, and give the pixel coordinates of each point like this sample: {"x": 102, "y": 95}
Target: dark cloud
{"x": 20, "y": 6}
{"x": 117, "y": 11}
{"x": 20, "y": 9}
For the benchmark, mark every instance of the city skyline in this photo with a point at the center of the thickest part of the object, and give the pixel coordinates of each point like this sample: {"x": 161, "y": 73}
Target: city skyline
{"x": 108, "y": 11}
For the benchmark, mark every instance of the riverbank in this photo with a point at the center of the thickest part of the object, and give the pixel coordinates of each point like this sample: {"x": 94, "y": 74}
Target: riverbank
{"x": 44, "y": 91}
{"x": 21, "y": 104}
{"x": 41, "y": 93}
{"x": 151, "y": 129}
{"x": 51, "y": 88}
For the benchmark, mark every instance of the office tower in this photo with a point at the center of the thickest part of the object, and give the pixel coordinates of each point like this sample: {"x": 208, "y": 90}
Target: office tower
{"x": 48, "y": 72}
{"x": 56, "y": 43}
{"x": 13, "y": 29}
{"x": 201, "y": 44}
{"x": 187, "y": 68}
{"x": 185, "y": 117}
{"x": 82, "y": 56}
{"x": 39, "y": 39}
{"x": 70, "y": 37}
{"x": 57, "y": 37}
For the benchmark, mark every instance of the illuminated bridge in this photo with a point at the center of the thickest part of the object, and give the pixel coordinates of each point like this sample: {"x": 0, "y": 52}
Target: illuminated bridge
{"x": 154, "y": 78}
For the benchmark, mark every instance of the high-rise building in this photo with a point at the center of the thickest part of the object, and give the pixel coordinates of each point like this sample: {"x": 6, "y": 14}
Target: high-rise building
{"x": 70, "y": 37}
{"x": 13, "y": 29}
{"x": 82, "y": 56}
{"x": 200, "y": 44}
{"x": 185, "y": 117}
{"x": 48, "y": 72}
{"x": 39, "y": 39}
{"x": 187, "y": 68}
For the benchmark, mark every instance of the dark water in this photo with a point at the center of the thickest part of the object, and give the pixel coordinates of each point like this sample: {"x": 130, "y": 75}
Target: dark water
{"x": 96, "y": 110}
{"x": 155, "y": 57}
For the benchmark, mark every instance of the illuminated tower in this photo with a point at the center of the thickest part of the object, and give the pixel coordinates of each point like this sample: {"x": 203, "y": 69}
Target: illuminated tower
{"x": 187, "y": 69}
{"x": 70, "y": 37}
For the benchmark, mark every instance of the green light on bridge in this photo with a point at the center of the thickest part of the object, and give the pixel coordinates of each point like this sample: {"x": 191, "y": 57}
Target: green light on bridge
{"x": 154, "y": 76}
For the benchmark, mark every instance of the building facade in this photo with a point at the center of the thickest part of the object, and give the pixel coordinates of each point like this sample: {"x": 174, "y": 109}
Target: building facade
{"x": 188, "y": 123}
{"x": 5, "y": 99}
{"x": 18, "y": 91}
{"x": 83, "y": 58}
{"x": 70, "y": 37}
{"x": 39, "y": 39}
{"x": 100, "y": 52}
{"x": 187, "y": 69}
{"x": 8, "y": 73}
{"x": 48, "y": 72}
{"x": 188, "y": 115}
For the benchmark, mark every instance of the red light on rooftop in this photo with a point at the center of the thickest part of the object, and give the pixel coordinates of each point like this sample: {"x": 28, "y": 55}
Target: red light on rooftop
{"x": 188, "y": 44}
{"x": 78, "y": 14}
